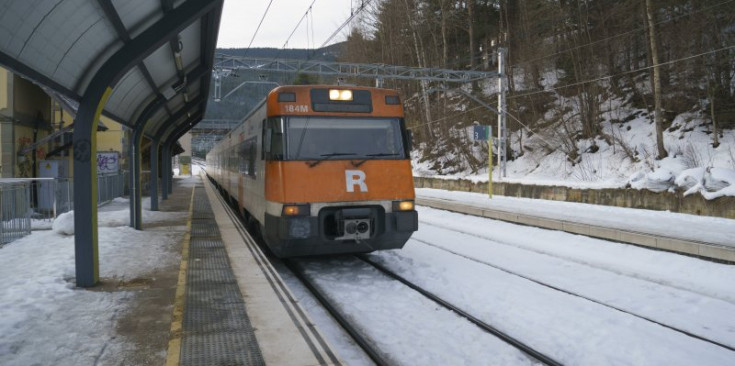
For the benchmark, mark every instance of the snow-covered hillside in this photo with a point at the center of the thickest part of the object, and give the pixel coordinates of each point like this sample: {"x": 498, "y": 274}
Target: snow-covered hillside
{"x": 624, "y": 155}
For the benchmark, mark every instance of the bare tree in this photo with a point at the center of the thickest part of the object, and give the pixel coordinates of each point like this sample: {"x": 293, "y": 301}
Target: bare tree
{"x": 657, "y": 97}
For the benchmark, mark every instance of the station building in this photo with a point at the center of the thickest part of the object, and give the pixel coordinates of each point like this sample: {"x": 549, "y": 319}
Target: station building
{"x": 36, "y": 127}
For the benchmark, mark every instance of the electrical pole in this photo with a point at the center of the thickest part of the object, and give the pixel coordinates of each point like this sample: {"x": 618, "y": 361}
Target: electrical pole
{"x": 502, "y": 132}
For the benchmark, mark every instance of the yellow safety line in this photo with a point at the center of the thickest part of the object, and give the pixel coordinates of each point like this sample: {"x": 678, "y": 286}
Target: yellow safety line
{"x": 173, "y": 354}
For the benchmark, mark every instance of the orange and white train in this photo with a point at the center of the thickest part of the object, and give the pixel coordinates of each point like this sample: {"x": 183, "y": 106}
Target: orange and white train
{"x": 321, "y": 170}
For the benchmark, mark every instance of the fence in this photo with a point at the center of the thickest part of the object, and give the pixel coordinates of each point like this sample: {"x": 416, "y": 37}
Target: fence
{"x": 15, "y": 210}
{"x": 45, "y": 199}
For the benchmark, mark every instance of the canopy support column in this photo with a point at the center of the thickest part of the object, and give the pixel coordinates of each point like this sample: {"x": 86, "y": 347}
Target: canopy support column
{"x": 136, "y": 189}
{"x": 91, "y": 104}
{"x": 154, "y": 175}
{"x": 165, "y": 170}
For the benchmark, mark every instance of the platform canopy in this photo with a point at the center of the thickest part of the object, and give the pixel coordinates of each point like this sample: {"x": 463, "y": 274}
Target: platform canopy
{"x": 63, "y": 44}
{"x": 144, "y": 63}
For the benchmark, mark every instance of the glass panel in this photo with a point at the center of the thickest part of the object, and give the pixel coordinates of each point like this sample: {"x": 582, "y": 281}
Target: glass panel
{"x": 317, "y": 138}
{"x": 275, "y": 125}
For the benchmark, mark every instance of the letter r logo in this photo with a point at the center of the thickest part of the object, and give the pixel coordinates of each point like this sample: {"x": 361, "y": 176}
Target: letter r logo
{"x": 355, "y": 178}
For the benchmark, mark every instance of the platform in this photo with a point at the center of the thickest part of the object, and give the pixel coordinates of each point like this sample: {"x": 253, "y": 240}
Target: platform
{"x": 232, "y": 307}
{"x": 642, "y": 236}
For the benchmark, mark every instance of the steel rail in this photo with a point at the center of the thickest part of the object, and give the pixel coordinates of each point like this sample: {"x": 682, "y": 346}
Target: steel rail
{"x": 487, "y": 327}
{"x": 369, "y": 349}
{"x": 556, "y": 288}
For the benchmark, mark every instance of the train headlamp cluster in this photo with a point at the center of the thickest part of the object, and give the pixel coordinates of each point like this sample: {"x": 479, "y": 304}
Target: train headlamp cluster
{"x": 295, "y": 210}
{"x": 403, "y": 205}
{"x": 337, "y": 94}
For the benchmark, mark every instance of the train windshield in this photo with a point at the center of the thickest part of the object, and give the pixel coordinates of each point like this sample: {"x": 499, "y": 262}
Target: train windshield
{"x": 319, "y": 138}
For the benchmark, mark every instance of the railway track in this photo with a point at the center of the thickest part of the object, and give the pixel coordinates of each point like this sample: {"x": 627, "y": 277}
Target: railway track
{"x": 369, "y": 347}
{"x": 547, "y": 252}
{"x": 571, "y": 293}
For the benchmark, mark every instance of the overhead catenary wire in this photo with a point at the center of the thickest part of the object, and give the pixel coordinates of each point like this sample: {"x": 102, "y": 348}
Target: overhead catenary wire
{"x": 352, "y": 16}
{"x": 259, "y": 24}
{"x": 306, "y": 13}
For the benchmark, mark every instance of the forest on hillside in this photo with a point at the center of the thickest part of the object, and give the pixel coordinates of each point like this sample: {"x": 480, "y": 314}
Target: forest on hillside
{"x": 570, "y": 63}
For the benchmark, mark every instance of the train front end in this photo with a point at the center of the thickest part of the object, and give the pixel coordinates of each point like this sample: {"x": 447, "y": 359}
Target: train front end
{"x": 338, "y": 173}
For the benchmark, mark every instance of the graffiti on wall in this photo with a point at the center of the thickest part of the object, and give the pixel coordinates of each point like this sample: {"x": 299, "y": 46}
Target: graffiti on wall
{"x": 108, "y": 162}
{"x": 25, "y": 158}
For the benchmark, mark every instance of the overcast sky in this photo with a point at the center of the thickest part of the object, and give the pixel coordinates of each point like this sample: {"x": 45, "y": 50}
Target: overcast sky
{"x": 240, "y": 18}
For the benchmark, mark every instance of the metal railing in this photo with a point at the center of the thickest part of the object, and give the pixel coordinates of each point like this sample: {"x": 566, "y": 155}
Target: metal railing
{"x": 23, "y": 199}
{"x": 15, "y": 210}
{"x": 110, "y": 187}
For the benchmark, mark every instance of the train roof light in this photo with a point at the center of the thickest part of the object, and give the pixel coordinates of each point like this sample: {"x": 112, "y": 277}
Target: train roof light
{"x": 336, "y": 94}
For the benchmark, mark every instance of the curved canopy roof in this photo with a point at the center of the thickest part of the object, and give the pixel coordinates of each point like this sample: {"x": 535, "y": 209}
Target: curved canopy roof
{"x": 63, "y": 44}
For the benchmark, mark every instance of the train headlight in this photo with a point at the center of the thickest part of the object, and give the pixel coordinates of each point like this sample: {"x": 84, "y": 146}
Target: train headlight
{"x": 295, "y": 210}
{"x": 350, "y": 228}
{"x": 336, "y": 94}
{"x": 402, "y": 205}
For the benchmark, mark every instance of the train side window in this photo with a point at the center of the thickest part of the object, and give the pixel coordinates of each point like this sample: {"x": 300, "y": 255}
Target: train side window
{"x": 246, "y": 154}
{"x": 252, "y": 153}
{"x": 242, "y": 156}
{"x": 265, "y": 137}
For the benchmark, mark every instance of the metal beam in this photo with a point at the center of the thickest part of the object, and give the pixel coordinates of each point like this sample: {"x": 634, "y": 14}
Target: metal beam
{"x": 135, "y": 161}
{"x": 154, "y": 174}
{"x": 136, "y": 192}
{"x": 166, "y": 127}
{"x": 217, "y": 124}
{"x": 85, "y": 143}
{"x": 165, "y": 168}
{"x": 114, "y": 18}
{"x": 211, "y": 23}
{"x": 224, "y": 64}
{"x": 167, "y": 184}
{"x": 183, "y": 128}
{"x": 198, "y": 72}
{"x": 19, "y": 68}
{"x": 136, "y": 214}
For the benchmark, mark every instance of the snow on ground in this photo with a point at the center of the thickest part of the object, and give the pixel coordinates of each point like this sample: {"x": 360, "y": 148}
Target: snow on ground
{"x": 45, "y": 319}
{"x": 698, "y": 228}
{"x": 407, "y": 328}
{"x": 474, "y": 270}
{"x": 570, "y": 329}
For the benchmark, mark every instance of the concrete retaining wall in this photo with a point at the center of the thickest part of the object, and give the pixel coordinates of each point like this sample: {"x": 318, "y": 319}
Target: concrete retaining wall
{"x": 664, "y": 201}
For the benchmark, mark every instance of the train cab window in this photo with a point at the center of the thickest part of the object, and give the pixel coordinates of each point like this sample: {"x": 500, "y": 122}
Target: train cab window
{"x": 273, "y": 136}
{"x": 320, "y": 138}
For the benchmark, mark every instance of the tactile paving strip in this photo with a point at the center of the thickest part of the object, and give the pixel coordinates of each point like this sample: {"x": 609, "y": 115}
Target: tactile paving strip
{"x": 216, "y": 327}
